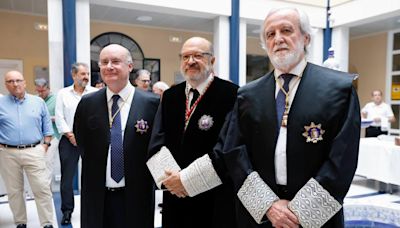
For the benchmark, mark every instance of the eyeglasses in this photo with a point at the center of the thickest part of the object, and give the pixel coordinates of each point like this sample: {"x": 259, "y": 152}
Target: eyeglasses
{"x": 114, "y": 62}
{"x": 145, "y": 81}
{"x": 196, "y": 56}
{"x": 18, "y": 81}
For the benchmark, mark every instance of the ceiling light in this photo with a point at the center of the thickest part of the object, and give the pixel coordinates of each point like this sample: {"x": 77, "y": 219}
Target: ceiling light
{"x": 175, "y": 39}
{"x": 41, "y": 27}
{"x": 144, "y": 18}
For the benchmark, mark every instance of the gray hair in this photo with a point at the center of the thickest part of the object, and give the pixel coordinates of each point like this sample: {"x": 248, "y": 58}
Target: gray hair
{"x": 42, "y": 82}
{"x": 75, "y": 67}
{"x": 142, "y": 72}
{"x": 304, "y": 22}
{"x": 161, "y": 85}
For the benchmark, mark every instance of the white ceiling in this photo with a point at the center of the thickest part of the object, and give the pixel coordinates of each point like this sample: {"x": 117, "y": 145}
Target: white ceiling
{"x": 173, "y": 21}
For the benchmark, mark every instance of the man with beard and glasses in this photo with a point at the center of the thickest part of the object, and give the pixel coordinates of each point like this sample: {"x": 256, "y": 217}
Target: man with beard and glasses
{"x": 188, "y": 122}
{"x": 291, "y": 160}
{"x": 66, "y": 103}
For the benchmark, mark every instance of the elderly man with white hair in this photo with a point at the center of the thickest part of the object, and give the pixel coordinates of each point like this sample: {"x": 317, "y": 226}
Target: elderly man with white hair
{"x": 159, "y": 87}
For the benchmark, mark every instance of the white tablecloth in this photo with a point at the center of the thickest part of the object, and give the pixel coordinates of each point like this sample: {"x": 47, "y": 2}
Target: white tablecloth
{"x": 379, "y": 160}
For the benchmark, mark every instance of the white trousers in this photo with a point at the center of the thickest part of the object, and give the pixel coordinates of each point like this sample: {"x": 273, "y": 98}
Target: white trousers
{"x": 13, "y": 163}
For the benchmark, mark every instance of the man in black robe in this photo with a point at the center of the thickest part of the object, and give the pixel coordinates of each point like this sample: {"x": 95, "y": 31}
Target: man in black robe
{"x": 188, "y": 122}
{"x": 291, "y": 142}
{"x": 113, "y": 129}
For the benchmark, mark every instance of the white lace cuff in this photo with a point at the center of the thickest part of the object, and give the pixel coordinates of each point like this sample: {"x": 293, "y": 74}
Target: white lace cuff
{"x": 256, "y": 196}
{"x": 313, "y": 205}
{"x": 199, "y": 176}
{"x": 159, "y": 162}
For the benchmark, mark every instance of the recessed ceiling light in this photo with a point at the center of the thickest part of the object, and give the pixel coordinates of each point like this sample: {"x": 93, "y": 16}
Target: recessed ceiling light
{"x": 144, "y": 18}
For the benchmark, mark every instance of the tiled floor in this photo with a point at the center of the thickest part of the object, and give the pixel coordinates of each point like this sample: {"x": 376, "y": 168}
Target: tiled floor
{"x": 364, "y": 207}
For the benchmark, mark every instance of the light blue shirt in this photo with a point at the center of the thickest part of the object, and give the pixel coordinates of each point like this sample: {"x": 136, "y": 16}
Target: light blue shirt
{"x": 24, "y": 121}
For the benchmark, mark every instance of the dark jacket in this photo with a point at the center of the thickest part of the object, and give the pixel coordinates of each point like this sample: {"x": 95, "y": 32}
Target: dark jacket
{"x": 91, "y": 127}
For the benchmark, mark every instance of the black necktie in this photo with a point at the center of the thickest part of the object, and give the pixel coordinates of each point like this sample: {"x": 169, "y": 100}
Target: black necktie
{"x": 196, "y": 95}
{"x": 117, "y": 150}
{"x": 281, "y": 98}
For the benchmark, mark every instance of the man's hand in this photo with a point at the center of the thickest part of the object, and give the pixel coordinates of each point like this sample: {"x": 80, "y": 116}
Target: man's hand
{"x": 46, "y": 147}
{"x": 280, "y": 215}
{"x": 71, "y": 137}
{"x": 377, "y": 119}
{"x": 174, "y": 185}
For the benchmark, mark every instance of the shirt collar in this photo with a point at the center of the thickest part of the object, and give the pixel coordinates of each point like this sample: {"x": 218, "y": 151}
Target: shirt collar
{"x": 15, "y": 99}
{"x": 71, "y": 87}
{"x": 124, "y": 93}
{"x": 202, "y": 87}
{"x": 48, "y": 96}
{"x": 297, "y": 70}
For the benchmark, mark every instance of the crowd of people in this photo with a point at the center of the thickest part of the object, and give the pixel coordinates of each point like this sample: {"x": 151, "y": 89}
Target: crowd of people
{"x": 255, "y": 156}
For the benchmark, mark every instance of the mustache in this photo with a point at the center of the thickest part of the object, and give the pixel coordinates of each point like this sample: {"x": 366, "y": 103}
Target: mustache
{"x": 282, "y": 46}
{"x": 193, "y": 66}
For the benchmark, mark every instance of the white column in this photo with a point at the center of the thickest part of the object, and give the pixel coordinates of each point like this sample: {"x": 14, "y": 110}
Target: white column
{"x": 83, "y": 31}
{"x": 55, "y": 36}
{"x": 221, "y": 46}
{"x": 315, "y": 50}
{"x": 340, "y": 43}
{"x": 242, "y": 52}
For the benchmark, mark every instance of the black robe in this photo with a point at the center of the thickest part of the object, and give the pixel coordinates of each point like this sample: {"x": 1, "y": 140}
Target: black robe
{"x": 91, "y": 127}
{"x": 214, "y": 208}
{"x": 249, "y": 137}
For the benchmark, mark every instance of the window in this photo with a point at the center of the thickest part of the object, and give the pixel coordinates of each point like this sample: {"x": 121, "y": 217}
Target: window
{"x": 393, "y": 77}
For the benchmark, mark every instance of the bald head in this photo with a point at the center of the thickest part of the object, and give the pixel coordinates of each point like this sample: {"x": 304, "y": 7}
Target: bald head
{"x": 15, "y": 83}
{"x": 116, "y": 48}
{"x": 199, "y": 42}
{"x": 115, "y": 64}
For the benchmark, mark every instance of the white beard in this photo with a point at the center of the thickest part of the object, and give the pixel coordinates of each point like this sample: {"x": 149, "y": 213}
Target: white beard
{"x": 285, "y": 61}
{"x": 197, "y": 77}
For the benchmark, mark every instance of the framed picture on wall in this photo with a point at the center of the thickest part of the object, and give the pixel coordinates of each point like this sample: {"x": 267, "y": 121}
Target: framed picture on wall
{"x": 153, "y": 66}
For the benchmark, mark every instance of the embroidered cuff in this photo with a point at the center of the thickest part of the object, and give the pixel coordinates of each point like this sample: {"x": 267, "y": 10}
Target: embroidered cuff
{"x": 199, "y": 176}
{"x": 256, "y": 196}
{"x": 159, "y": 162}
{"x": 313, "y": 205}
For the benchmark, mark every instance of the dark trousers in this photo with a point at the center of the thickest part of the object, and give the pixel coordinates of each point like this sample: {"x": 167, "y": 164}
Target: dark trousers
{"x": 69, "y": 156}
{"x": 374, "y": 131}
{"x": 114, "y": 209}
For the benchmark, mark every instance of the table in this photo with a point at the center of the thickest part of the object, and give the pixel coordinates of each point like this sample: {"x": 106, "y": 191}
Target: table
{"x": 379, "y": 160}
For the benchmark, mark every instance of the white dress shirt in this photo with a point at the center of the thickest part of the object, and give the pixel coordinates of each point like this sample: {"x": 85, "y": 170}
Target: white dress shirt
{"x": 280, "y": 150}
{"x": 124, "y": 102}
{"x": 200, "y": 88}
{"x": 66, "y": 104}
{"x": 382, "y": 111}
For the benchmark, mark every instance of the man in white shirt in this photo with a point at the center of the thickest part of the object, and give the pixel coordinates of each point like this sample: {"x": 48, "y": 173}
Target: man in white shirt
{"x": 67, "y": 101}
{"x": 380, "y": 113}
